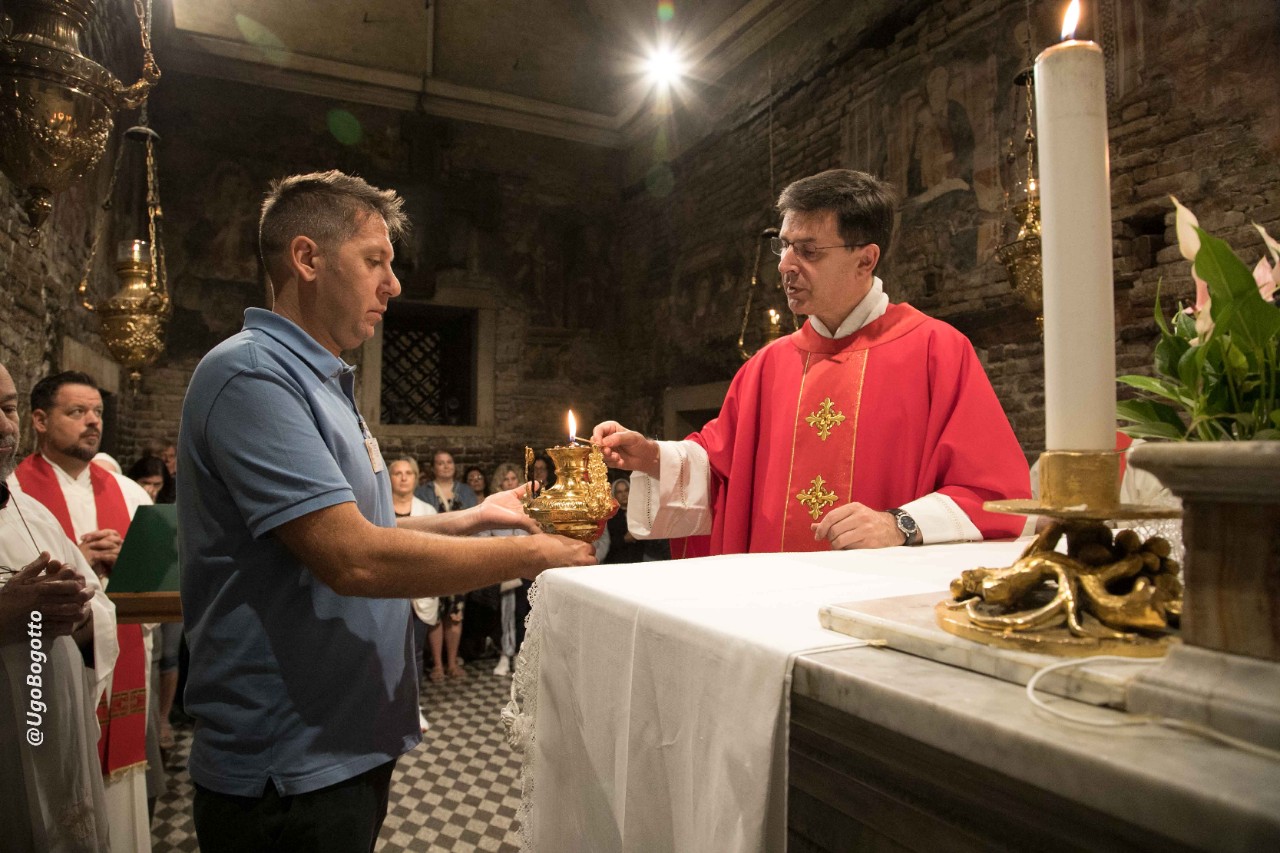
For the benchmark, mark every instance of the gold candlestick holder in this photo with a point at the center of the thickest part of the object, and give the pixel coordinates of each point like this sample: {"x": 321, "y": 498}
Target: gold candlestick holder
{"x": 580, "y": 502}
{"x": 1110, "y": 593}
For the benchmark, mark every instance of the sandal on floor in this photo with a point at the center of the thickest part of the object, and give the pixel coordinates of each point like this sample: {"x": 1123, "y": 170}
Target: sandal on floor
{"x": 457, "y": 672}
{"x": 436, "y": 676}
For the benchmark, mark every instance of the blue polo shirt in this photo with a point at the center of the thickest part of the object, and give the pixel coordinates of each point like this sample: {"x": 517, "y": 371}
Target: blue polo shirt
{"x": 289, "y": 681}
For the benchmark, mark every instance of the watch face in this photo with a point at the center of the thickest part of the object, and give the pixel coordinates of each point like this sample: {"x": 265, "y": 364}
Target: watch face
{"x": 906, "y": 523}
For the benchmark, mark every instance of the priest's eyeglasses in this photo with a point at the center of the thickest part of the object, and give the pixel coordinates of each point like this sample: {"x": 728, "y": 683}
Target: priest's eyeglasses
{"x": 806, "y": 251}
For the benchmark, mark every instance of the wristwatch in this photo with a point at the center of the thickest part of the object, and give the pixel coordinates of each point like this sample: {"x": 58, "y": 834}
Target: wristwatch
{"x": 906, "y": 524}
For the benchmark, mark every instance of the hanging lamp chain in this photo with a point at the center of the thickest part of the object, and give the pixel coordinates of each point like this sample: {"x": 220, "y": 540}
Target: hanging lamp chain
{"x": 157, "y": 278}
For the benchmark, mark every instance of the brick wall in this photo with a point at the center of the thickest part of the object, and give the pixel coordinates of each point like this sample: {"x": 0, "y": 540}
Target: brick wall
{"x": 617, "y": 275}
{"x": 1192, "y": 112}
{"x": 38, "y": 309}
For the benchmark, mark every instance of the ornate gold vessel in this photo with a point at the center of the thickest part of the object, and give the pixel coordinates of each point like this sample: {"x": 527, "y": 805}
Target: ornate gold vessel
{"x": 580, "y": 502}
{"x": 1021, "y": 258}
{"x": 56, "y": 104}
{"x": 133, "y": 319}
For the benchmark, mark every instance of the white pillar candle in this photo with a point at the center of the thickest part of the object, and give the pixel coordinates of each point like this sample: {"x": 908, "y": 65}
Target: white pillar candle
{"x": 1075, "y": 210}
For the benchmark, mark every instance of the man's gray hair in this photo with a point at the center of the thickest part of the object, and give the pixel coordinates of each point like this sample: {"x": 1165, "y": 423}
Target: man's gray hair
{"x": 329, "y": 207}
{"x": 863, "y": 204}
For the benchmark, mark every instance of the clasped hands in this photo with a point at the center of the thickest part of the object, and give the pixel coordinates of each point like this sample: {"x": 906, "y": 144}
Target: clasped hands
{"x": 101, "y": 548}
{"x": 55, "y": 589}
{"x": 851, "y": 525}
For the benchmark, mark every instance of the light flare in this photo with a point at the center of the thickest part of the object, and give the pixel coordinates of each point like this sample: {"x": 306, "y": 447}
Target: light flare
{"x": 664, "y": 66}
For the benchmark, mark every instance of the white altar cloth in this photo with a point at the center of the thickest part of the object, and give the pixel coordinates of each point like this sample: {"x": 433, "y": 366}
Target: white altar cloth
{"x": 663, "y": 690}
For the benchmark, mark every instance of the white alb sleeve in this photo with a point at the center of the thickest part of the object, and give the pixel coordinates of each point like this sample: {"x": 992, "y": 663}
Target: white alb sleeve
{"x": 678, "y": 503}
{"x": 941, "y": 519}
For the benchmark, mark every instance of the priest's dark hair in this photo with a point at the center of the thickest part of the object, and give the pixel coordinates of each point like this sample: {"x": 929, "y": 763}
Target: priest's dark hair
{"x": 329, "y": 207}
{"x": 862, "y": 203}
{"x": 46, "y": 390}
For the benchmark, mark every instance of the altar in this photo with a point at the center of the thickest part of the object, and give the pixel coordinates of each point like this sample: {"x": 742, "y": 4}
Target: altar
{"x": 699, "y": 706}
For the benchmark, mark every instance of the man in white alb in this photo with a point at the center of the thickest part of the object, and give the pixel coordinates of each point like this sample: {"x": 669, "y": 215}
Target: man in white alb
{"x": 94, "y": 507}
{"x": 57, "y": 652}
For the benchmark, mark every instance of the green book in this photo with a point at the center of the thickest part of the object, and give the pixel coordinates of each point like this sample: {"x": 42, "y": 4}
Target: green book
{"x": 148, "y": 560}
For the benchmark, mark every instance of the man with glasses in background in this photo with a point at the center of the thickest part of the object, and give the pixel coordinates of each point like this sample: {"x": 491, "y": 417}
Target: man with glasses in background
{"x": 872, "y": 426}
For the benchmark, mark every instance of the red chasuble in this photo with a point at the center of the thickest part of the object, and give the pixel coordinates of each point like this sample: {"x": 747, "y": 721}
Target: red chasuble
{"x": 891, "y": 413}
{"x": 122, "y": 743}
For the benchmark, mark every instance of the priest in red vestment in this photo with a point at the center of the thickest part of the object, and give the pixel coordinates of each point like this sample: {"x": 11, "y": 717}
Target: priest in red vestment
{"x": 872, "y": 426}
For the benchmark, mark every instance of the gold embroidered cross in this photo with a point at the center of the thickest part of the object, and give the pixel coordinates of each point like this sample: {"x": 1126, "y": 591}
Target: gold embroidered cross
{"x": 816, "y": 498}
{"x": 824, "y": 419}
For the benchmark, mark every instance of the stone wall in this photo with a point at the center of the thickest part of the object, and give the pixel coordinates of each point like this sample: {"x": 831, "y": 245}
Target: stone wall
{"x": 38, "y": 278}
{"x": 518, "y": 219}
{"x": 616, "y": 275}
{"x": 922, "y": 94}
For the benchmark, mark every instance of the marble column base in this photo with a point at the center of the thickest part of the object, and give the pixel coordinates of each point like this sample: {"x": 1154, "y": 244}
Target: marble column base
{"x": 1233, "y": 694}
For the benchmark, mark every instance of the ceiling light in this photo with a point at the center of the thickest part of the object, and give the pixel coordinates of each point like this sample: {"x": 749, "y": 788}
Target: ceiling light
{"x": 664, "y": 67}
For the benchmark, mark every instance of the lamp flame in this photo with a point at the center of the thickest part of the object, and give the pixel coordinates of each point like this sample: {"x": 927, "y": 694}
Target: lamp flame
{"x": 1070, "y": 20}
{"x": 573, "y": 428}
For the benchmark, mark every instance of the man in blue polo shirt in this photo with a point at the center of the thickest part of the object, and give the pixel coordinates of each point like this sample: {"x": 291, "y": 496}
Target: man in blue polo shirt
{"x": 296, "y": 578}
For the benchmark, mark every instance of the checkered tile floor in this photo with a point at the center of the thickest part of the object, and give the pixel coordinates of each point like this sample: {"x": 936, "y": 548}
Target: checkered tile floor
{"x": 458, "y": 791}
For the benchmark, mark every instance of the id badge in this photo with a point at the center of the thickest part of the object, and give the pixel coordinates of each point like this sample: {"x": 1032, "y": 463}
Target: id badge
{"x": 375, "y": 455}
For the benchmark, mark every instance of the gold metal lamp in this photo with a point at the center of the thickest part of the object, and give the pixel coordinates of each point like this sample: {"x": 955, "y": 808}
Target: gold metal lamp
{"x": 56, "y": 104}
{"x": 133, "y": 319}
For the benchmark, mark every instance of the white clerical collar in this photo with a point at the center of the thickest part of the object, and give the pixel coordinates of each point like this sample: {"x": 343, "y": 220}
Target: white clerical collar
{"x": 66, "y": 479}
{"x": 870, "y": 309}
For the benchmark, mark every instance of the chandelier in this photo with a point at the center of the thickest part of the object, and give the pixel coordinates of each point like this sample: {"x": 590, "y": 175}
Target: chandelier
{"x": 56, "y": 104}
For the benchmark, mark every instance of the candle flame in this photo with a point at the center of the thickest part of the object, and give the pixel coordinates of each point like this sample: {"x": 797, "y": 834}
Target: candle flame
{"x": 573, "y": 427}
{"x": 1070, "y": 20}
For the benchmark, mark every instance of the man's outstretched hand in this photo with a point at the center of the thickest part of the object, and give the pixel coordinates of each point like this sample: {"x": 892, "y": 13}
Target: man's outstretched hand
{"x": 626, "y": 449}
{"x": 555, "y": 551}
{"x": 505, "y": 510}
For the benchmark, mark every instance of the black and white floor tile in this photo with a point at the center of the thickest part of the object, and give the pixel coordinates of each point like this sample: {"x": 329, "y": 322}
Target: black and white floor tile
{"x": 458, "y": 791}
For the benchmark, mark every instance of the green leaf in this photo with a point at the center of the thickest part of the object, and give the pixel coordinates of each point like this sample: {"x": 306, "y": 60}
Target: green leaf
{"x": 1160, "y": 323}
{"x": 1191, "y": 365}
{"x": 1235, "y": 365}
{"x": 1161, "y": 431}
{"x": 1267, "y": 435}
{"x": 1154, "y": 418}
{"x": 1237, "y": 307}
{"x": 1184, "y": 325}
{"x": 1169, "y": 351}
{"x": 1158, "y": 387}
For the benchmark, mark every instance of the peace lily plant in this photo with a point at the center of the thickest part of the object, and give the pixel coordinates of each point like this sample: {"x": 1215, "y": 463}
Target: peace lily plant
{"x": 1217, "y": 374}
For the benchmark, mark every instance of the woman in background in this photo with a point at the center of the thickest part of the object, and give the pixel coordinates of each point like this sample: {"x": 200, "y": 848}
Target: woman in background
{"x": 426, "y": 611}
{"x": 624, "y": 548}
{"x": 150, "y": 473}
{"x": 514, "y": 594}
{"x": 476, "y": 481}
{"x": 445, "y": 494}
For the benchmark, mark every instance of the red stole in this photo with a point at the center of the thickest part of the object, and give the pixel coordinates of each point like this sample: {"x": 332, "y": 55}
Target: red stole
{"x": 895, "y": 411}
{"x": 122, "y": 743}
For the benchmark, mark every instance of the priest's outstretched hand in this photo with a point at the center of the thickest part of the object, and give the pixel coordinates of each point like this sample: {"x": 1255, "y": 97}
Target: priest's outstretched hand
{"x": 625, "y": 448}
{"x": 855, "y": 525}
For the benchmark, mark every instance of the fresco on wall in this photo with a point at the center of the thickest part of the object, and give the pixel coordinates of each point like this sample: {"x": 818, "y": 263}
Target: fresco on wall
{"x": 937, "y": 144}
